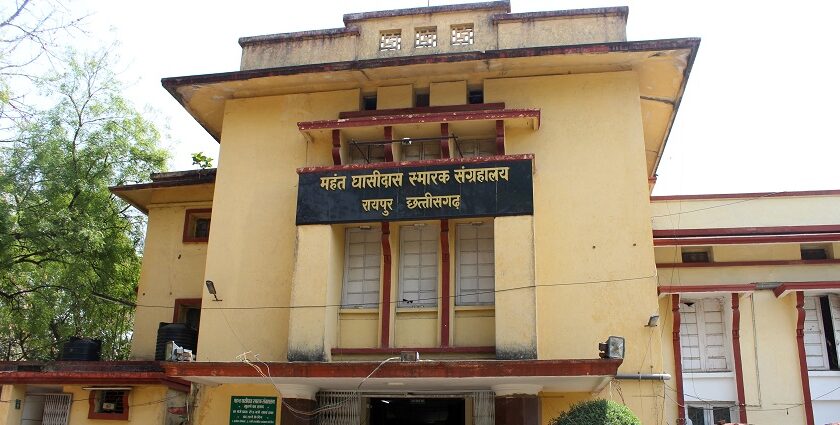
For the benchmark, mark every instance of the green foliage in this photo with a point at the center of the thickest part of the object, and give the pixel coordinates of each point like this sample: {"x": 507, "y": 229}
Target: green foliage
{"x": 63, "y": 235}
{"x": 202, "y": 160}
{"x": 597, "y": 412}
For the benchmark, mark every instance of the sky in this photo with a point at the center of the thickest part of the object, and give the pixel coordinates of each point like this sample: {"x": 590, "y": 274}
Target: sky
{"x": 759, "y": 112}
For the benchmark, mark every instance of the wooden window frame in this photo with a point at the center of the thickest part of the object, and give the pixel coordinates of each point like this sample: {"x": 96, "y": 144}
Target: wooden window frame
{"x": 401, "y": 274}
{"x": 694, "y": 251}
{"x": 93, "y": 401}
{"x": 188, "y": 218}
{"x": 702, "y": 335}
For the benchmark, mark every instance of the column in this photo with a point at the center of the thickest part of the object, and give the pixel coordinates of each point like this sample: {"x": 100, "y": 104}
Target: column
{"x": 516, "y": 335}
{"x": 517, "y": 404}
{"x": 297, "y": 402}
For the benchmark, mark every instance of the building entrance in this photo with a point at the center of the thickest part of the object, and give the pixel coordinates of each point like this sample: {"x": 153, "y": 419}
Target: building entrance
{"x": 417, "y": 411}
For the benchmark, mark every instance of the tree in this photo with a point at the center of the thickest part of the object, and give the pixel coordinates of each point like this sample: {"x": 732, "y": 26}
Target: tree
{"x": 597, "y": 412}
{"x": 63, "y": 236}
{"x": 28, "y": 39}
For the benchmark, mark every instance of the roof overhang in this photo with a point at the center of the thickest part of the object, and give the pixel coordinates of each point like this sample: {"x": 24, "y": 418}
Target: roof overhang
{"x": 701, "y": 290}
{"x": 662, "y": 66}
{"x": 746, "y": 235}
{"x": 462, "y": 375}
{"x": 182, "y": 186}
{"x": 816, "y": 287}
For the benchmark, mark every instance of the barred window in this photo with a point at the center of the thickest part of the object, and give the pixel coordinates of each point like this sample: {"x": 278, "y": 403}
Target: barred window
{"x": 475, "y": 269}
{"x": 463, "y": 34}
{"x": 418, "y": 266}
{"x": 425, "y": 37}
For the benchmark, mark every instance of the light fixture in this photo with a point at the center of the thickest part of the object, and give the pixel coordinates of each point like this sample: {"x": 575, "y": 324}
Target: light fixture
{"x": 211, "y": 288}
{"x": 612, "y": 349}
{"x": 419, "y": 224}
{"x": 653, "y": 321}
{"x": 476, "y": 223}
{"x": 364, "y": 227}
{"x": 406, "y": 140}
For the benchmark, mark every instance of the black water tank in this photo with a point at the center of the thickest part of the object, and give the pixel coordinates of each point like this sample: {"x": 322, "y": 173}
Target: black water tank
{"x": 81, "y": 349}
{"x": 181, "y": 333}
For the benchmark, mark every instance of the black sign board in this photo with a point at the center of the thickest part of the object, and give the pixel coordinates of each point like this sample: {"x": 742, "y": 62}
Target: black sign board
{"x": 459, "y": 188}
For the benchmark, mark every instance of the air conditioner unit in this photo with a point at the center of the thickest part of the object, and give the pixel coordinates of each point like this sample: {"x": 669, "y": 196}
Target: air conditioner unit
{"x": 109, "y": 406}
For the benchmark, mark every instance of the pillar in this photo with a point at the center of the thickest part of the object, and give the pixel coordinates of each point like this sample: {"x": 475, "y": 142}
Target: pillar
{"x": 516, "y": 310}
{"x": 517, "y": 404}
{"x": 297, "y": 403}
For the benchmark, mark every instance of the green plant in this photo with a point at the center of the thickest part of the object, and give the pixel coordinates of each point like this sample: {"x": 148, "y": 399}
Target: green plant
{"x": 202, "y": 160}
{"x": 597, "y": 412}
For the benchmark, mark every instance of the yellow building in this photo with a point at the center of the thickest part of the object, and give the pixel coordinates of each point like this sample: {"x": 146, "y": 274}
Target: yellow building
{"x": 471, "y": 187}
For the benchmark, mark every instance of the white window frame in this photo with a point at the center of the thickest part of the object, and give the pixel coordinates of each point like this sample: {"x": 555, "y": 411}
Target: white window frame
{"x": 708, "y": 411}
{"x": 473, "y": 148}
{"x": 347, "y": 284}
{"x": 703, "y": 336}
{"x": 425, "y": 298}
{"x": 816, "y": 344}
{"x": 481, "y": 293}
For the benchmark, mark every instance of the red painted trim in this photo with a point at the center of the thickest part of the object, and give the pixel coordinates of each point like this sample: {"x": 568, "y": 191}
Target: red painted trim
{"x": 443, "y": 161}
{"x": 429, "y": 117}
{"x": 81, "y": 378}
{"x": 500, "y": 137}
{"x": 180, "y": 303}
{"x": 687, "y": 289}
{"x": 336, "y": 147}
{"x": 746, "y": 195}
{"x": 804, "y": 286}
{"x": 389, "y": 149}
{"x": 187, "y": 215}
{"x": 803, "y": 364}
{"x": 678, "y": 375}
{"x": 746, "y": 231}
{"x": 421, "y": 350}
{"x": 750, "y": 263}
{"x": 734, "y": 240}
{"x": 736, "y": 348}
{"x": 177, "y": 384}
{"x": 385, "y": 312}
{"x": 92, "y": 414}
{"x": 444, "y": 284}
{"x": 444, "y": 140}
{"x": 426, "y": 369}
{"x": 422, "y": 110}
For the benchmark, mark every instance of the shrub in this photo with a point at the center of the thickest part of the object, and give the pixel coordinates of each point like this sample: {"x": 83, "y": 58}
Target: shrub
{"x": 597, "y": 412}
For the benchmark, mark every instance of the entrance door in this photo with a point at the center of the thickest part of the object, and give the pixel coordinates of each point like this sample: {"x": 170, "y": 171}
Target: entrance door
{"x": 417, "y": 411}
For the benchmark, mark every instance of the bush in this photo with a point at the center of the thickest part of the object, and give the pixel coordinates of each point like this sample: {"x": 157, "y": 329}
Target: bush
{"x": 597, "y": 412}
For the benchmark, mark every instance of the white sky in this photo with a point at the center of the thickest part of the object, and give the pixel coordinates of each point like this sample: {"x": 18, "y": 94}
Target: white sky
{"x": 759, "y": 112}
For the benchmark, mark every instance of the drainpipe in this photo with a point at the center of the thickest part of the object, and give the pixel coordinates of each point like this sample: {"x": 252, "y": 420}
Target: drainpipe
{"x": 803, "y": 364}
{"x": 644, "y": 376}
{"x": 675, "y": 308}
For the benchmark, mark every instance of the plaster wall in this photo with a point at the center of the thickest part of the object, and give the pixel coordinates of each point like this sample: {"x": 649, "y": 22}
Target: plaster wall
{"x": 171, "y": 269}
{"x": 251, "y": 254}
{"x": 745, "y": 212}
{"x": 553, "y": 32}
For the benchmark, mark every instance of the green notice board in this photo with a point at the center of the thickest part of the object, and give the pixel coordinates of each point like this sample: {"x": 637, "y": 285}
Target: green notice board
{"x": 252, "y": 410}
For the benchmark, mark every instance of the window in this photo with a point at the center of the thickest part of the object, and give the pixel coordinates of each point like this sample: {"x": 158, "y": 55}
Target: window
{"x": 421, "y": 98}
{"x": 367, "y": 153}
{"x": 475, "y": 96}
{"x": 419, "y": 151}
{"x": 425, "y": 37}
{"x": 187, "y": 310}
{"x": 108, "y": 404}
{"x": 362, "y": 252}
{"x": 463, "y": 35}
{"x": 418, "y": 266}
{"x": 473, "y": 148}
{"x": 814, "y": 252}
{"x": 822, "y": 332}
{"x": 369, "y": 103}
{"x": 197, "y": 225}
{"x": 390, "y": 40}
{"x": 475, "y": 264}
{"x": 702, "y": 335}
{"x": 696, "y": 255}
{"x": 711, "y": 414}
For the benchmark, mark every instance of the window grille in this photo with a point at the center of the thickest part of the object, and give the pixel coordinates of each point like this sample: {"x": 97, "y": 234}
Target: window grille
{"x": 425, "y": 37}
{"x": 56, "y": 409}
{"x": 463, "y": 34}
{"x": 390, "y": 40}
{"x": 366, "y": 154}
{"x": 419, "y": 151}
{"x": 340, "y": 408}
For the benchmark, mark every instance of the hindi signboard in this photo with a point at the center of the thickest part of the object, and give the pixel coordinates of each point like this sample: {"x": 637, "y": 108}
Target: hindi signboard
{"x": 434, "y": 190}
{"x": 253, "y": 410}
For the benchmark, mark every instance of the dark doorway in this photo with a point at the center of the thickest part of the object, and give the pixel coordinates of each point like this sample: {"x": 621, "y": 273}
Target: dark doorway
{"x": 417, "y": 411}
